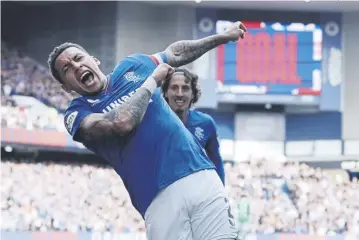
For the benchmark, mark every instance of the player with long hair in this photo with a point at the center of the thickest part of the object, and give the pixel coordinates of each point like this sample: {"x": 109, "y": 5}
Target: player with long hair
{"x": 182, "y": 91}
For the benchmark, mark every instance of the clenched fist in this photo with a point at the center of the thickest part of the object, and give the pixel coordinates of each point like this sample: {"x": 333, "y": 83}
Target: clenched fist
{"x": 162, "y": 72}
{"x": 235, "y": 31}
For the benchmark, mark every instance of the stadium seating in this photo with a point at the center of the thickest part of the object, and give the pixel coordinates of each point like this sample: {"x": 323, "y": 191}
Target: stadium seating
{"x": 282, "y": 197}
{"x": 21, "y": 75}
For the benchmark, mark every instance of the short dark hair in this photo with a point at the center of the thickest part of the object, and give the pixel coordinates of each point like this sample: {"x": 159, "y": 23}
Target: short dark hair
{"x": 191, "y": 77}
{"x": 55, "y": 53}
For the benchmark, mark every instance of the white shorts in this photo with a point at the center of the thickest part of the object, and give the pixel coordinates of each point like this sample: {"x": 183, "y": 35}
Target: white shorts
{"x": 195, "y": 207}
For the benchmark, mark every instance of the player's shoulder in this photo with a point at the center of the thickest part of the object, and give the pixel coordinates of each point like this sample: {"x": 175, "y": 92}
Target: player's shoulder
{"x": 154, "y": 59}
{"x": 201, "y": 117}
{"x": 131, "y": 63}
{"x": 139, "y": 59}
{"x": 78, "y": 103}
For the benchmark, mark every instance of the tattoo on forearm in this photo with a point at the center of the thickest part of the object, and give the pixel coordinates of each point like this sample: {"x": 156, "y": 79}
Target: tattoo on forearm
{"x": 97, "y": 130}
{"x": 117, "y": 121}
{"x": 134, "y": 109}
{"x": 184, "y": 52}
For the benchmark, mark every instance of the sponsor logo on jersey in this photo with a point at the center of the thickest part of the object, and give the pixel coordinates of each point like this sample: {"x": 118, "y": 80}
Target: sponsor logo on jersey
{"x": 119, "y": 101}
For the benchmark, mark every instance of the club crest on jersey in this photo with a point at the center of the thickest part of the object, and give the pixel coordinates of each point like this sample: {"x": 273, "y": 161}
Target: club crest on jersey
{"x": 69, "y": 123}
{"x": 132, "y": 77}
{"x": 199, "y": 133}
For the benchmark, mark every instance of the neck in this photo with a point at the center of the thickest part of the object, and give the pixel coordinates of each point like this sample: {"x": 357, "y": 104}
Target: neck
{"x": 105, "y": 83}
{"x": 183, "y": 115}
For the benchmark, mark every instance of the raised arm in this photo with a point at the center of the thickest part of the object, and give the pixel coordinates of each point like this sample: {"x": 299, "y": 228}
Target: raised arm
{"x": 183, "y": 52}
{"x": 125, "y": 117}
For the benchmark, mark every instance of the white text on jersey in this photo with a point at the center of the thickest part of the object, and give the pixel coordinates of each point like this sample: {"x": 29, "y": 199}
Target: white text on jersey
{"x": 118, "y": 102}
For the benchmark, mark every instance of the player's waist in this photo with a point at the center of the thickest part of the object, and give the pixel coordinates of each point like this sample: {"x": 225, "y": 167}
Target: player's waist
{"x": 143, "y": 194}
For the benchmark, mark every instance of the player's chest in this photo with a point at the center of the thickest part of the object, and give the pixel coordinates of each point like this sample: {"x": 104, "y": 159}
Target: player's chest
{"x": 117, "y": 95}
{"x": 200, "y": 133}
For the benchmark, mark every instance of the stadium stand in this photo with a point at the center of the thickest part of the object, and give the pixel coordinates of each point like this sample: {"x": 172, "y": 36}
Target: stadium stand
{"x": 21, "y": 75}
{"x": 282, "y": 197}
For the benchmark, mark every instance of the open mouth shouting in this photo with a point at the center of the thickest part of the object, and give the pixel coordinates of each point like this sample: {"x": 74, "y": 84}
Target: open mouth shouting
{"x": 87, "y": 78}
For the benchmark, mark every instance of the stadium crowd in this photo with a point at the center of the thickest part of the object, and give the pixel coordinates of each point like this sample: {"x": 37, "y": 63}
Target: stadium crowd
{"x": 294, "y": 198}
{"x": 280, "y": 197}
{"x": 21, "y": 75}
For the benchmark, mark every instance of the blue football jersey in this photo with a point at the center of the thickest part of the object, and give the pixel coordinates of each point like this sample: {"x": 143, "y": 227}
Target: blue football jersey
{"x": 158, "y": 151}
{"x": 203, "y": 127}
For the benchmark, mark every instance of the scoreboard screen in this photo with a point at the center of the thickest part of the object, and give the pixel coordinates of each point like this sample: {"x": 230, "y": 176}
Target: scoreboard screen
{"x": 273, "y": 58}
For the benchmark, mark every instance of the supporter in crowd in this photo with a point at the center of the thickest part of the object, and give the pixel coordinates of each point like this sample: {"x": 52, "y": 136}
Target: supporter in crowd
{"x": 282, "y": 197}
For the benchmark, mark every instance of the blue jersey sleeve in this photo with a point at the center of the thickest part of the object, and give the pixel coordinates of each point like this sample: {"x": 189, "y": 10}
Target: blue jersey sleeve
{"x": 151, "y": 61}
{"x": 74, "y": 115}
{"x": 139, "y": 63}
{"x": 212, "y": 150}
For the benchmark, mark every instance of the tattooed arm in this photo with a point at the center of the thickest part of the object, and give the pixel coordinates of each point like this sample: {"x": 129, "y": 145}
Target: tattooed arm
{"x": 183, "y": 52}
{"x": 118, "y": 122}
{"x": 125, "y": 117}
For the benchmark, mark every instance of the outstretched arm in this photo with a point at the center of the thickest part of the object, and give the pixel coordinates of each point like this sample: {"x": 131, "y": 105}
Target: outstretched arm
{"x": 183, "y": 52}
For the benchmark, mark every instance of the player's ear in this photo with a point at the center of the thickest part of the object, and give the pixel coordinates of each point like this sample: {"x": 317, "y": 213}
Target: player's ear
{"x": 96, "y": 60}
{"x": 65, "y": 88}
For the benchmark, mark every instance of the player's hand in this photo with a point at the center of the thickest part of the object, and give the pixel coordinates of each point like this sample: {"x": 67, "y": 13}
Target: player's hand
{"x": 235, "y": 31}
{"x": 162, "y": 72}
